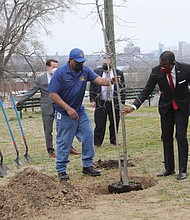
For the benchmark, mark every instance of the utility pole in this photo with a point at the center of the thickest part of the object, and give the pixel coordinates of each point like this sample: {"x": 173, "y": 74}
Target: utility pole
{"x": 109, "y": 30}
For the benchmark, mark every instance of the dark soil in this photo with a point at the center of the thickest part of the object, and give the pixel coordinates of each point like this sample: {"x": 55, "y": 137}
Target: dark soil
{"x": 111, "y": 164}
{"x": 119, "y": 187}
{"x": 30, "y": 193}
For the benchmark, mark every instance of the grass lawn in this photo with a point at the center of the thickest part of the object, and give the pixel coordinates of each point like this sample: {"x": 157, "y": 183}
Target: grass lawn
{"x": 144, "y": 146}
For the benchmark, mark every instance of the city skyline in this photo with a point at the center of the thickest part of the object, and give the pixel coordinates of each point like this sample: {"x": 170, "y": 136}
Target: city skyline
{"x": 180, "y": 47}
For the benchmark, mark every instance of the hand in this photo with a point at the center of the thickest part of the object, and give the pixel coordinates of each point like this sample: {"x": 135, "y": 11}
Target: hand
{"x": 18, "y": 106}
{"x": 116, "y": 79}
{"x": 126, "y": 109}
{"x": 93, "y": 104}
{"x": 72, "y": 113}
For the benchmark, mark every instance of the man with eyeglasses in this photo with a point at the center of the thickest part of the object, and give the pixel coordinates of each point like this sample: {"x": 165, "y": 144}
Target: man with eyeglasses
{"x": 67, "y": 90}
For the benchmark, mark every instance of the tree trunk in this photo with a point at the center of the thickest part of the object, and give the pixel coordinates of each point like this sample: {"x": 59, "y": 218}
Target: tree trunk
{"x": 1, "y": 66}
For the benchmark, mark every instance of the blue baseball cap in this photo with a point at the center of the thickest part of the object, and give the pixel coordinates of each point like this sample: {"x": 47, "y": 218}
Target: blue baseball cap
{"x": 78, "y": 55}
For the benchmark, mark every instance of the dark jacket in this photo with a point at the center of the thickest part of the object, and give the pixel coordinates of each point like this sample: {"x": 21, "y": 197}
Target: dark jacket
{"x": 181, "y": 93}
{"x": 95, "y": 90}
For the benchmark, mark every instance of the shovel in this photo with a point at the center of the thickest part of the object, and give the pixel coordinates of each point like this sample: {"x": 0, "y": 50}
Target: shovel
{"x": 3, "y": 167}
{"x": 17, "y": 160}
{"x": 26, "y": 155}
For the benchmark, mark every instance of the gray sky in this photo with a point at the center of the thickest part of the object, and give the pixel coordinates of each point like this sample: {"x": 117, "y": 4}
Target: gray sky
{"x": 148, "y": 22}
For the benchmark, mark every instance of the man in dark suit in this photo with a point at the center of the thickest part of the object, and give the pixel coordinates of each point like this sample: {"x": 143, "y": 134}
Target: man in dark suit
{"x": 101, "y": 99}
{"x": 47, "y": 109}
{"x": 173, "y": 79}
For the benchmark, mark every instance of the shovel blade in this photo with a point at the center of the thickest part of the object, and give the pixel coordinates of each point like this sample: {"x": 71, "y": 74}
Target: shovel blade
{"x": 18, "y": 162}
{"x": 28, "y": 157}
{"x": 3, "y": 172}
{"x": 5, "y": 167}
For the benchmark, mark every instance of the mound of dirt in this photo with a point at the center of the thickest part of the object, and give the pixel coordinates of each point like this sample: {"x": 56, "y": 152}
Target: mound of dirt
{"x": 30, "y": 192}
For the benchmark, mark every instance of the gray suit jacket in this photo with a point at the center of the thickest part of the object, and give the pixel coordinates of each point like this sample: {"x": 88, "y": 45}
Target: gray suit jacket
{"x": 41, "y": 84}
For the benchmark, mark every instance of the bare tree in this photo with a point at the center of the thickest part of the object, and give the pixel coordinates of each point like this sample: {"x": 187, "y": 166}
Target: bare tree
{"x": 21, "y": 22}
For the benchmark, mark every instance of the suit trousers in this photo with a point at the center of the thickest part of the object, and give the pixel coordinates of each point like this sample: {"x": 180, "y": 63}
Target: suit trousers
{"x": 168, "y": 121}
{"x": 103, "y": 110}
{"x": 48, "y": 129}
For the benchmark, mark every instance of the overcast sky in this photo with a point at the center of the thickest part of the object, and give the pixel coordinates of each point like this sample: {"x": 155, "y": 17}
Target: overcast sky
{"x": 147, "y": 22}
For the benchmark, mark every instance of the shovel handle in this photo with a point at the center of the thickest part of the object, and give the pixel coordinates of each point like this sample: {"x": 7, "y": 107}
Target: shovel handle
{"x": 7, "y": 121}
{"x": 9, "y": 127}
{"x": 17, "y": 115}
{"x": 27, "y": 156}
{"x": 1, "y": 159}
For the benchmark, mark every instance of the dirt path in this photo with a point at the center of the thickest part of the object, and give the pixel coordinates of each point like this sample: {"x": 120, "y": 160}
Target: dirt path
{"x": 133, "y": 206}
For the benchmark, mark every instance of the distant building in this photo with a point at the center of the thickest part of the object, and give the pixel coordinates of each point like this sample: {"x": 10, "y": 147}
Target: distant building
{"x": 180, "y": 49}
{"x": 161, "y": 48}
{"x": 149, "y": 56}
{"x": 132, "y": 51}
{"x": 185, "y": 50}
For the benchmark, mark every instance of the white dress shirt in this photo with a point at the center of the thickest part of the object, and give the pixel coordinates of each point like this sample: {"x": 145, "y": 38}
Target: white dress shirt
{"x": 106, "y": 89}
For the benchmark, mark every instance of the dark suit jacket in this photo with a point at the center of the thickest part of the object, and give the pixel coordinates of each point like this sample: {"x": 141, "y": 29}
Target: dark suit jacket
{"x": 95, "y": 90}
{"x": 41, "y": 84}
{"x": 181, "y": 92}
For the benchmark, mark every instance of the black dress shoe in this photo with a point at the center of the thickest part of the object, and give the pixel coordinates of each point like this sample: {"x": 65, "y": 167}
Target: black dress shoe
{"x": 91, "y": 171}
{"x": 166, "y": 173}
{"x": 181, "y": 176}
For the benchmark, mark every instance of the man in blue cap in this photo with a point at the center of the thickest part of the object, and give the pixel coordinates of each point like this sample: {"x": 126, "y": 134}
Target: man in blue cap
{"x": 67, "y": 90}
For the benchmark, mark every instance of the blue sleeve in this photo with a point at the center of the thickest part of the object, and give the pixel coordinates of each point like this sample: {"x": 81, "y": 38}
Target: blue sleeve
{"x": 55, "y": 83}
{"x": 91, "y": 75}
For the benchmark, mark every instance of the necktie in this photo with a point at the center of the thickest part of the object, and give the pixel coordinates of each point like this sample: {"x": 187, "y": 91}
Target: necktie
{"x": 175, "y": 106}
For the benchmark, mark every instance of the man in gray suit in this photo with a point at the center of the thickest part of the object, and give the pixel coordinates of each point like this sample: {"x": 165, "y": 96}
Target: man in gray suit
{"x": 47, "y": 108}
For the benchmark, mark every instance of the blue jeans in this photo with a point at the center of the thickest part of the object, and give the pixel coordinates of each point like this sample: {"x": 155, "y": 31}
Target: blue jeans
{"x": 67, "y": 129}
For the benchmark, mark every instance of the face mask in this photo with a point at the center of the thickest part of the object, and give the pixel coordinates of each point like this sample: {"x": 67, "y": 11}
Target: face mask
{"x": 166, "y": 70}
{"x": 53, "y": 71}
{"x": 105, "y": 67}
{"x": 78, "y": 67}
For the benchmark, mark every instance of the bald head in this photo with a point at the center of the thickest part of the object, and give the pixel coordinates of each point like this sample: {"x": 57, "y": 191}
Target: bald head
{"x": 167, "y": 56}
